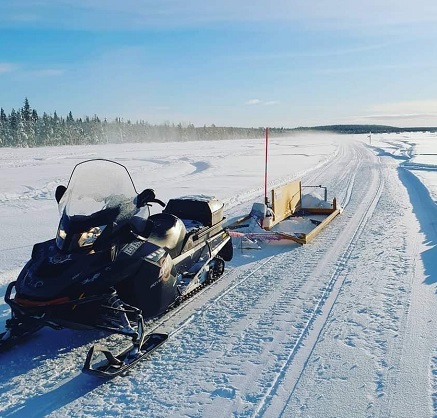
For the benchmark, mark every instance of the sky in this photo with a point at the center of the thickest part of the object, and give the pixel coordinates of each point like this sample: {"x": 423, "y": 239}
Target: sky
{"x": 249, "y": 63}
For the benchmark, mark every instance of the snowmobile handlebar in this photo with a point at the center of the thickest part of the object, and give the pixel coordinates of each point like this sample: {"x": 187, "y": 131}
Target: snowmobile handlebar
{"x": 160, "y": 202}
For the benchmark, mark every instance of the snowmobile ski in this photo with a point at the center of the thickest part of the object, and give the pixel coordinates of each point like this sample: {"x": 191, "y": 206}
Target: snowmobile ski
{"x": 18, "y": 327}
{"x": 119, "y": 364}
{"x": 15, "y": 335}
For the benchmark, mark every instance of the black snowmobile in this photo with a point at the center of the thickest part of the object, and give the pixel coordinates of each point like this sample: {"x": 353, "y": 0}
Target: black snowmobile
{"x": 113, "y": 266}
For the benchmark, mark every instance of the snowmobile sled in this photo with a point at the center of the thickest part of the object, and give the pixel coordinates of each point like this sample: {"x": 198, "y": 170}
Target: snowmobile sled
{"x": 113, "y": 265}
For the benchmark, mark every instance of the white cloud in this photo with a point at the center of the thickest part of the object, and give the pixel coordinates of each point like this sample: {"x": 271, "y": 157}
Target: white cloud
{"x": 401, "y": 116}
{"x": 261, "y": 102}
{"x": 47, "y": 72}
{"x": 412, "y": 107}
{"x": 7, "y": 67}
{"x": 136, "y": 14}
{"x": 405, "y": 113}
{"x": 253, "y": 102}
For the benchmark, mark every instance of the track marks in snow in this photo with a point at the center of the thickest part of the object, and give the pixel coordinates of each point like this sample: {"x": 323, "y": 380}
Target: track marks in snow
{"x": 433, "y": 380}
{"x": 351, "y": 230}
{"x": 296, "y": 285}
{"x": 361, "y": 345}
{"x": 286, "y": 335}
{"x": 46, "y": 192}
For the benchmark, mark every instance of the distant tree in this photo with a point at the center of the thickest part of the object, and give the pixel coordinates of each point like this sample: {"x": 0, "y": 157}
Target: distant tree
{"x": 13, "y": 123}
{"x": 27, "y": 127}
{"x": 25, "y": 135}
{"x": 34, "y": 116}
{"x": 3, "y": 127}
{"x": 45, "y": 130}
{"x": 26, "y": 112}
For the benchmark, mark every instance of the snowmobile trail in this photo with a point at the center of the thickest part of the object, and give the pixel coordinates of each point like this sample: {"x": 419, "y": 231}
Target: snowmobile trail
{"x": 322, "y": 309}
{"x": 286, "y": 331}
{"x": 236, "y": 296}
{"x": 312, "y": 331}
{"x": 241, "y": 320}
{"x": 313, "y": 315}
{"x": 365, "y": 347}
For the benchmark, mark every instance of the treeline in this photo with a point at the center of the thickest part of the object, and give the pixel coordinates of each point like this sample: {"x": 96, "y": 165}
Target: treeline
{"x": 26, "y": 128}
{"x": 365, "y": 129}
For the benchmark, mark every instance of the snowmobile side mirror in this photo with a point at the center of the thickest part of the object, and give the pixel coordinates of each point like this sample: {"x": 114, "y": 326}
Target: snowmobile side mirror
{"x": 60, "y": 190}
{"x": 147, "y": 195}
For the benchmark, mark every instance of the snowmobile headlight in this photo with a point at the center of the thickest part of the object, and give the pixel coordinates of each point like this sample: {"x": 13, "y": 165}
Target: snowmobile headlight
{"x": 88, "y": 238}
{"x": 61, "y": 233}
{"x": 60, "y": 237}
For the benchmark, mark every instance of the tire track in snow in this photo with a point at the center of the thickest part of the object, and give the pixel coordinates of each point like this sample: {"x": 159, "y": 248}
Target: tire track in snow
{"x": 319, "y": 315}
{"x": 243, "y": 305}
{"x": 177, "y": 319}
{"x": 219, "y": 314}
{"x": 342, "y": 179}
{"x": 277, "y": 300}
{"x": 360, "y": 349}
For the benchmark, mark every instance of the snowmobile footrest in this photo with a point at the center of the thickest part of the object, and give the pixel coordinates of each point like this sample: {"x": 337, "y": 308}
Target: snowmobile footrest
{"x": 115, "y": 365}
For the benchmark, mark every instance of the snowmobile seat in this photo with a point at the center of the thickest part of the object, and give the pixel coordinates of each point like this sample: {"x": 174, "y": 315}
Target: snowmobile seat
{"x": 167, "y": 231}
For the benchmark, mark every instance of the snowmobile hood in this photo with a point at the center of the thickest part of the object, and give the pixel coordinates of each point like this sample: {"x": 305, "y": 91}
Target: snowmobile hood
{"x": 52, "y": 274}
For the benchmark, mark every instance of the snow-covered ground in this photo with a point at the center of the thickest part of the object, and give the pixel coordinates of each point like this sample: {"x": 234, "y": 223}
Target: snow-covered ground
{"x": 341, "y": 327}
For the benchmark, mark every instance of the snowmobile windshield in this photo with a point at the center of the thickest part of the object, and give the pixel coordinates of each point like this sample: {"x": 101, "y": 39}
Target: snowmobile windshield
{"x": 96, "y": 186}
{"x": 100, "y": 194}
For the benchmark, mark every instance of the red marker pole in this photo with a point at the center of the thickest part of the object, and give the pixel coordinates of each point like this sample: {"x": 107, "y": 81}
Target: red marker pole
{"x": 266, "y": 199}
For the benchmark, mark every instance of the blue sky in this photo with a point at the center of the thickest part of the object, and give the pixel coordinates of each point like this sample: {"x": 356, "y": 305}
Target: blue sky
{"x": 234, "y": 63}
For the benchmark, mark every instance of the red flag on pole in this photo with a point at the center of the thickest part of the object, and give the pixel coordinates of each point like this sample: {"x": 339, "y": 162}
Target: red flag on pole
{"x": 266, "y": 199}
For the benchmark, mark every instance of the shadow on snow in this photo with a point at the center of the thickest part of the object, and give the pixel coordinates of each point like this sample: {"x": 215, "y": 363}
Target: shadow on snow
{"x": 42, "y": 405}
{"x": 426, "y": 212}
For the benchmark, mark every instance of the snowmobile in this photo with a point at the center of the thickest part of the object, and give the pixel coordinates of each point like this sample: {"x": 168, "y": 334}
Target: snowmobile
{"x": 113, "y": 265}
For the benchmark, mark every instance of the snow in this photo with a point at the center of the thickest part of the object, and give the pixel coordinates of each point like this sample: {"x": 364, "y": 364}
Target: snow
{"x": 341, "y": 327}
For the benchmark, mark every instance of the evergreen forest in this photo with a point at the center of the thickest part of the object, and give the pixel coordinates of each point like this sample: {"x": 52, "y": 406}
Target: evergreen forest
{"x": 25, "y": 127}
